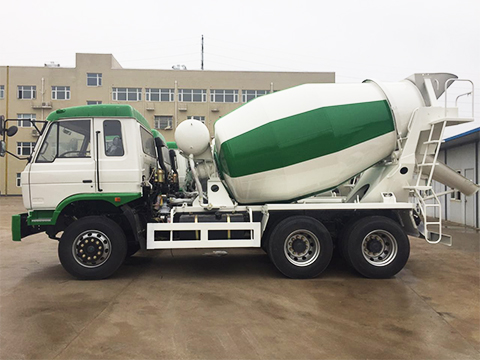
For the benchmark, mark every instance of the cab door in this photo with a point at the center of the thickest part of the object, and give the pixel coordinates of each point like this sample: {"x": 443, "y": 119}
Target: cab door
{"x": 64, "y": 164}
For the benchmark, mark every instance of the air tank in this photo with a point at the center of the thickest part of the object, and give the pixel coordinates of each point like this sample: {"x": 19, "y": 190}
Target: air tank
{"x": 308, "y": 139}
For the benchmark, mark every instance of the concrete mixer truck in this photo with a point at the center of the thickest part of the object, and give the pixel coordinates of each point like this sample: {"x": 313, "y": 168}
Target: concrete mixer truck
{"x": 104, "y": 184}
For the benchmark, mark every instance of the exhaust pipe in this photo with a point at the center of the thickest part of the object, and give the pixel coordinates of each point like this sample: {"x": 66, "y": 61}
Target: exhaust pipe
{"x": 445, "y": 175}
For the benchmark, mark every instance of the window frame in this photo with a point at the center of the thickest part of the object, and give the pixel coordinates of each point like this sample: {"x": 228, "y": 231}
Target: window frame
{"x": 21, "y": 120}
{"x": 22, "y": 147}
{"x": 95, "y": 102}
{"x": 21, "y": 90}
{"x": 105, "y": 122}
{"x": 56, "y": 89}
{"x": 57, "y": 125}
{"x": 200, "y": 118}
{"x": 170, "y": 93}
{"x": 18, "y": 180}
{"x": 128, "y": 91}
{"x": 98, "y": 79}
{"x": 156, "y": 119}
{"x": 182, "y": 93}
{"x": 245, "y": 94}
{"x": 147, "y": 133}
{"x": 2, "y": 92}
{"x": 223, "y": 93}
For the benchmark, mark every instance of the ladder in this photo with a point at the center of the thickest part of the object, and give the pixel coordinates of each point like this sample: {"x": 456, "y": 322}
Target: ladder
{"x": 432, "y": 230}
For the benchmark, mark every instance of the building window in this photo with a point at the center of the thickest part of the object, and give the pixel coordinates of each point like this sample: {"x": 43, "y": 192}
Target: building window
{"x": 2, "y": 91}
{"x": 192, "y": 95}
{"x": 94, "y": 79}
{"x": 126, "y": 94}
{"x": 224, "y": 96}
{"x": 94, "y": 102}
{"x": 24, "y": 120}
{"x": 19, "y": 179}
{"x": 199, "y": 118}
{"x": 163, "y": 122}
{"x": 26, "y": 92}
{"x": 248, "y": 95}
{"x": 25, "y": 148}
{"x": 60, "y": 92}
{"x": 159, "y": 94}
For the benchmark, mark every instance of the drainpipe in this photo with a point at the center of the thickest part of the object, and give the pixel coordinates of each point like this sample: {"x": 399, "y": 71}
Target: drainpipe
{"x": 176, "y": 104}
{"x": 43, "y": 98}
{"x": 6, "y": 138}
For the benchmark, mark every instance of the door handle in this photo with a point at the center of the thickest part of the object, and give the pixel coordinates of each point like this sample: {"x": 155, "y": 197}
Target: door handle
{"x": 87, "y": 181}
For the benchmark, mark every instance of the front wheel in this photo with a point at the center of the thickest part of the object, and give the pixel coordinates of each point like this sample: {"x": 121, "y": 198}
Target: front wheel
{"x": 376, "y": 247}
{"x": 300, "y": 247}
{"x": 92, "y": 248}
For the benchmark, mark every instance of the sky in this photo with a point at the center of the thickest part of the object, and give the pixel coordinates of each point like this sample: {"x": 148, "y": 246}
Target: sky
{"x": 357, "y": 39}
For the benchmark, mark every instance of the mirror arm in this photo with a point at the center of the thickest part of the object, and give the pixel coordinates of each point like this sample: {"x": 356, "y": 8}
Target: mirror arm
{"x": 18, "y": 157}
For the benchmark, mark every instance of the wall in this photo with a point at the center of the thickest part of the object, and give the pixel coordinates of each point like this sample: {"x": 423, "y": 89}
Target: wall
{"x": 113, "y": 75}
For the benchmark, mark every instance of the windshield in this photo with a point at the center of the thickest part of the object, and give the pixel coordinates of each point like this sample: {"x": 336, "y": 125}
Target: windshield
{"x": 66, "y": 139}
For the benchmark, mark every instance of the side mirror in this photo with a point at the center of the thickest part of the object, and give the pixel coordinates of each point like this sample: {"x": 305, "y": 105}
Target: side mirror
{"x": 3, "y": 148}
{"x": 11, "y": 131}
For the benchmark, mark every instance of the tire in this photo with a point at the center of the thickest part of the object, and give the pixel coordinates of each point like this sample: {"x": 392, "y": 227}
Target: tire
{"x": 376, "y": 247}
{"x": 300, "y": 247}
{"x": 92, "y": 248}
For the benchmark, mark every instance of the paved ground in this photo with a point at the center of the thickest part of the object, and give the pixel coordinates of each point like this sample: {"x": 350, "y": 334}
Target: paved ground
{"x": 186, "y": 305}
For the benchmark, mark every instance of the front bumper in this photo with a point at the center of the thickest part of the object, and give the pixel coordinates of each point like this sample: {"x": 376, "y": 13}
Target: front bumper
{"x": 21, "y": 229}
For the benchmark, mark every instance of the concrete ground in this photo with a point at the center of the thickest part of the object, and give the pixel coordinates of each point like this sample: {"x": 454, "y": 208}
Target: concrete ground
{"x": 187, "y": 305}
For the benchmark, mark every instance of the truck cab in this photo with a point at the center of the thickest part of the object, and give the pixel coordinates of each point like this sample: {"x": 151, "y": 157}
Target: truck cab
{"x": 90, "y": 151}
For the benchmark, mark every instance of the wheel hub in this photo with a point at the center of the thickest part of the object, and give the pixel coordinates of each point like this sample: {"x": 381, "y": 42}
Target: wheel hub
{"x": 375, "y": 245}
{"x": 302, "y": 247}
{"x": 91, "y": 248}
{"x": 379, "y": 248}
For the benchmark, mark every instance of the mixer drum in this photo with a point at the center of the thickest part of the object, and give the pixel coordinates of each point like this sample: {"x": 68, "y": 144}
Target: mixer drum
{"x": 304, "y": 140}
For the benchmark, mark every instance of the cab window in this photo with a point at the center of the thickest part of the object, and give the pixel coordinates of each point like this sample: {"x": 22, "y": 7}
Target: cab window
{"x": 112, "y": 133}
{"x": 66, "y": 139}
{"x": 148, "y": 144}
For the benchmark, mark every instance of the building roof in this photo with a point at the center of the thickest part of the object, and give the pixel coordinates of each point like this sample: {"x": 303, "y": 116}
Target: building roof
{"x": 104, "y": 110}
{"x": 463, "y": 138}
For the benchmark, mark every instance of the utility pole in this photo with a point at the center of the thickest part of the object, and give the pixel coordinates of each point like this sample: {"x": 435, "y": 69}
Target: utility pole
{"x": 202, "y": 52}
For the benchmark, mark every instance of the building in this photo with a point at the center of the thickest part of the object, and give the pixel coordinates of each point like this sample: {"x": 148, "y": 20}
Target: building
{"x": 164, "y": 97}
{"x": 461, "y": 153}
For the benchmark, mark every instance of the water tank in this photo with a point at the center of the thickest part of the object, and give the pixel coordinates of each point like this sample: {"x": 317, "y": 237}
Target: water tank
{"x": 310, "y": 138}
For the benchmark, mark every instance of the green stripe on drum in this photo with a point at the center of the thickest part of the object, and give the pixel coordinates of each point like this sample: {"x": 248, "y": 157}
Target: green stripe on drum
{"x": 304, "y": 137}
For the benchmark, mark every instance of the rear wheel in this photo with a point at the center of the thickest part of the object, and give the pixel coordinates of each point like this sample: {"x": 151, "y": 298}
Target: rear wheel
{"x": 300, "y": 247}
{"x": 92, "y": 248}
{"x": 376, "y": 247}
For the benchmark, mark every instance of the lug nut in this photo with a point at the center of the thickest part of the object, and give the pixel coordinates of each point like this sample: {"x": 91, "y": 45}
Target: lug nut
{"x": 99, "y": 253}
{"x": 89, "y": 258}
{"x": 81, "y": 251}
{"x": 83, "y": 255}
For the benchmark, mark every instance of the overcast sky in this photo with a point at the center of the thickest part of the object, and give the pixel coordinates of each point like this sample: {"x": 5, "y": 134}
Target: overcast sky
{"x": 386, "y": 40}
